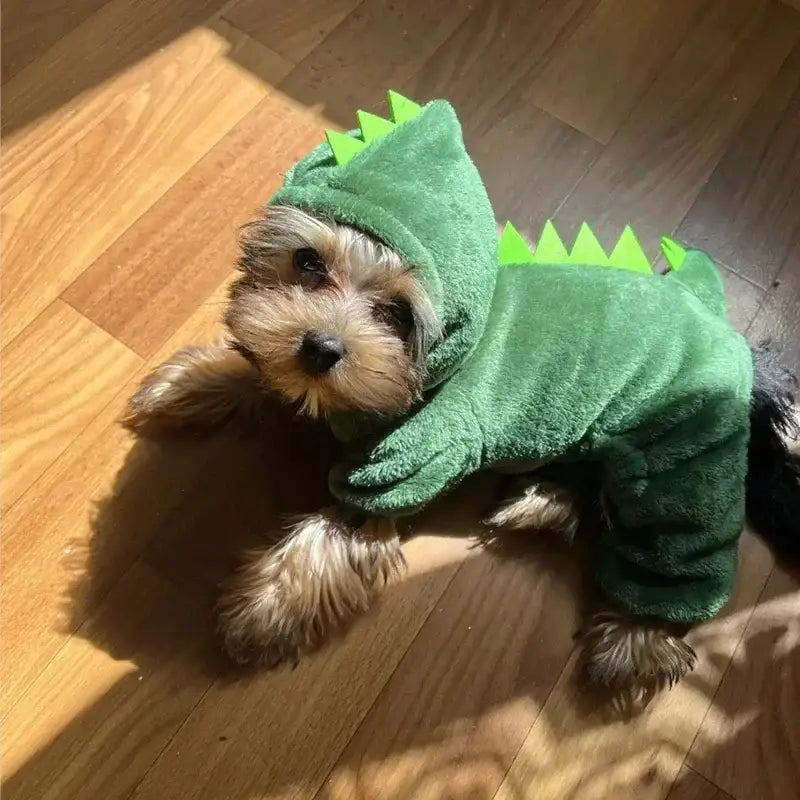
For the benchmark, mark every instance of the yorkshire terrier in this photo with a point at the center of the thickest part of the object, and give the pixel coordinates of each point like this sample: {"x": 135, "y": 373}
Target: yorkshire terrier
{"x": 332, "y": 320}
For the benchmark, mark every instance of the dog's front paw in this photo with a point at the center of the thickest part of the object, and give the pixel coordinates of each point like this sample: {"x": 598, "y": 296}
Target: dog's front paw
{"x": 279, "y": 605}
{"x": 199, "y": 387}
{"x": 157, "y": 402}
{"x": 263, "y": 631}
{"x": 287, "y": 599}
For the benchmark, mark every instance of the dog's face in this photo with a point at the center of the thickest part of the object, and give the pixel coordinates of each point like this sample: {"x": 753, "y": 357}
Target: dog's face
{"x": 333, "y": 319}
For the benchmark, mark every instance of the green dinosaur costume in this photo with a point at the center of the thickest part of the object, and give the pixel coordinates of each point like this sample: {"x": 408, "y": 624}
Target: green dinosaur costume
{"x": 548, "y": 356}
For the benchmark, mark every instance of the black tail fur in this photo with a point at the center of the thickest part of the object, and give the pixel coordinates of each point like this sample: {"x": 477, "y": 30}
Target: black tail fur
{"x": 773, "y": 472}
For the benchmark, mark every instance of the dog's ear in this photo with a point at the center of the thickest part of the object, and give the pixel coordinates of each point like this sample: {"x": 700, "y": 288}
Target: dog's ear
{"x": 424, "y": 326}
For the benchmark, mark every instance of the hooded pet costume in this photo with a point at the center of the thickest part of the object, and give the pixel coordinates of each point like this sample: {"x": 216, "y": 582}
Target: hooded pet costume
{"x": 547, "y": 356}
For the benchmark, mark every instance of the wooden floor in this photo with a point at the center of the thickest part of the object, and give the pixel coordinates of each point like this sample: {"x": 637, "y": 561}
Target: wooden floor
{"x": 137, "y": 136}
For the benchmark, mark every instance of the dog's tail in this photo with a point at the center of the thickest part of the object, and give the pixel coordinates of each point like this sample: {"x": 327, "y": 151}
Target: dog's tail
{"x": 773, "y": 472}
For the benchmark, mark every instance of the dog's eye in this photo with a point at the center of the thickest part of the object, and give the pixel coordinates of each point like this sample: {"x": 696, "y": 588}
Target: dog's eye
{"x": 398, "y": 314}
{"x": 307, "y": 261}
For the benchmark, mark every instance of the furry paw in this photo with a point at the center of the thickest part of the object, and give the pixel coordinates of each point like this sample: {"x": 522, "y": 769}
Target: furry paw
{"x": 633, "y": 659}
{"x": 265, "y": 631}
{"x": 539, "y": 506}
{"x": 285, "y": 601}
{"x": 199, "y": 387}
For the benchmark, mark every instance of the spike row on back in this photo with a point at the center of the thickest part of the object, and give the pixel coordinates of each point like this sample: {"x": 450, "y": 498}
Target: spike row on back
{"x": 627, "y": 253}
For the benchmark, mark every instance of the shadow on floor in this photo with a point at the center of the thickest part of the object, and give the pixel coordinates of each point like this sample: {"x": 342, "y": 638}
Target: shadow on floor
{"x": 185, "y": 507}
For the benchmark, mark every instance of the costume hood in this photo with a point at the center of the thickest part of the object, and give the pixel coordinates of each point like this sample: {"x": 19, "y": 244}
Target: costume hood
{"x": 411, "y": 184}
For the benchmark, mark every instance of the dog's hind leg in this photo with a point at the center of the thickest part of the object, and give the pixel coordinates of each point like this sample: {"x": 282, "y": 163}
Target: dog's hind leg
{"x": 537, "y": 504}
{"x": 199, "y": 388}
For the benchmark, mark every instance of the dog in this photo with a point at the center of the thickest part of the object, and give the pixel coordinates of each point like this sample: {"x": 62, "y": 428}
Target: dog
{"x": 332, "y": 320}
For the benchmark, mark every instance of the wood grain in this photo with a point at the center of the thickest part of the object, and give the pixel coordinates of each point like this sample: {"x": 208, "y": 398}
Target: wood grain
{"x": 291, "y": 29}
{"x": 578, "y": 749}
{"x": 99, "y": 714}
{"x": 551, "y": 159}
{"x": 749, "y": 743}
{"x": 144, "y": 286}
{"x": 747, "y": 214}
{"x": 300, "y": 720}
{"x": 654, "y": 167}
{"x": 493, "y": 52}
{"x": 454, "y": 714}
{"x": 56, "y": 378}
{"x": 743, "y": 299}
{"x": 60, "y": 223}
{"x": 28, "y": 152}
{"x": 47, "y": 549}
{"x": 216, "y": 762}
{"x": 778, "y": 317}
{"x": 593, "y": 79}
{"x": 691, "y": 786}
{"x": 81, "y": 525}
{"x": 29, "y": 28}
{"x": 106, "y": 43}
{"x": 377, "y": 47}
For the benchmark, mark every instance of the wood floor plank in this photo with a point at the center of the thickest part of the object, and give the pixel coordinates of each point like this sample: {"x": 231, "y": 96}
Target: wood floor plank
{"x": 30, "y": 149}
{"x": 291, "y": 29}
{"x": 691, "y": 786}
{"x": 577, "y": 750}
{"x": 497, "y": 48}
{"x": 747, "y": 213}
{"x": 452, "y": 718}
{"x": 108, "y": 42}
{"x": 57, "y": 377}
{"x": 448, "y": 680}
{"x": 29, "y": 28}
{"x": 594, "y": 78}
{"x": 778, "y": 317}
{"x": 654, "y": 167}
{"x": 299, "y": 721}
{"x": 217, "y": 762}
{"x": 105, "y": 707}
{"x": 749, "y": 743}
{"x": 145, "y": 285}
{"x": 549, "y": 159}
{"x": 743, "y": 299}
{"x": 85, "y": 520}
{"x": 379, "y": 46}
{"x": 62, "y": 222}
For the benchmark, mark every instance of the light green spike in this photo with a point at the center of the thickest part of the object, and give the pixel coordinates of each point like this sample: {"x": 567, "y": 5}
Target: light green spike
{"x": 628, "y": 253}
{"x": 344, "y": 147}
{"x": 372, "y": 126}
{"x": 673, "y": 252}
{"x": 401, "y": 107}
{"x": 550, "y": 249}
{"x": 512, "y": 248}
{"x": 587, "y": 250}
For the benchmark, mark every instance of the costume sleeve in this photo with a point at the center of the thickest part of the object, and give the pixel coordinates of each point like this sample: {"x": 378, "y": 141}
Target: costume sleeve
{"x": 429, "y": 452}
{"x": 674, "y": 502}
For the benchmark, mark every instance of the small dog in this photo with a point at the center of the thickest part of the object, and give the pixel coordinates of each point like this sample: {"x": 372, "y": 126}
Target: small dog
{"x": 333, "y": 320}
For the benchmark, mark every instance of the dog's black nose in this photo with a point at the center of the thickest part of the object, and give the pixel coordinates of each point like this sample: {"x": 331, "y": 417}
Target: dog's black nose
{"x": 320, "y": 351}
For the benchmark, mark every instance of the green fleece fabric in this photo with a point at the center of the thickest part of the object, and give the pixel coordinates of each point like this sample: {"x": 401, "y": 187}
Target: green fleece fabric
{"x": 639, "y": 374}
